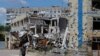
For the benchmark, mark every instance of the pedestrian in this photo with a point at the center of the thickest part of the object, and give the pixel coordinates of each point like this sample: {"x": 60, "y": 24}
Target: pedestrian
{"x": 24, "y": 42}
{"x": 23, "y": 50}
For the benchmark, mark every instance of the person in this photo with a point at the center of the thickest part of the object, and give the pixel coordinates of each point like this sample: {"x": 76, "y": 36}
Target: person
{"x": 23, "y": 42}
{"x": 30, "y": 35}
{"x": 23, "y": 50}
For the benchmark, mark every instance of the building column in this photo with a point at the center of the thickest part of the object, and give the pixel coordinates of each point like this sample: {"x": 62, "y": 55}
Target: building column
{"x": 73, "y": 25}
{"x": 6, "y": 45}
{"x": 50, "y": 25}
{"x": 42, "y": 29}
{"x": 23, "y": 22}
{"x": 9, "y": 42}
{"x": 35, "y": 29}
{"x": 51, "y": 22}
{"x": 55, "y": 23}
{"x": 29, "y": 20}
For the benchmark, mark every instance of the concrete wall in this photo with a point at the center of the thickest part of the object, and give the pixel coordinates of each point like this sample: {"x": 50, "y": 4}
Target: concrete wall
{"x": 73, "y": 25}
{"x": 87, "y": 22}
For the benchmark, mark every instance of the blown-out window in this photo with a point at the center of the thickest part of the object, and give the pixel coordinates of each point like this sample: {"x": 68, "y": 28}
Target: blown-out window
{"x": 96, "y": 4}
{"x": 96, "y": 43}
{"x": 96, "y": 23}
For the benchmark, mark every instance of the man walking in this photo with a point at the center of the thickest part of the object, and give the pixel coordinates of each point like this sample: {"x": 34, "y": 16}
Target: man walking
{"x": 23, "y": 42}
{"x": 23, "y": 50}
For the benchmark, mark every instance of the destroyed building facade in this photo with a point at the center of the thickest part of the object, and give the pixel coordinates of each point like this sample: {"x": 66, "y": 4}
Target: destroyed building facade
{"x": 84, "y": 25}
{"x": 47, "y": 20}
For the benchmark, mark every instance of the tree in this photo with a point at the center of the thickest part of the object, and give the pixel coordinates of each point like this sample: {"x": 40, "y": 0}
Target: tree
{"x": 2, "y": 37}
{"x": 7, "y": 28}
{"x": 4, "y": 29}
{"x": 1, "y": 33}
{"x": 1, "y": 28}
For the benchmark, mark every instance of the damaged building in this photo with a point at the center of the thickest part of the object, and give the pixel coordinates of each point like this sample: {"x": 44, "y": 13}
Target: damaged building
{"x": 84, "y": 25}
{"x": 46, "y": 21}
{"x": 82, "y": 17}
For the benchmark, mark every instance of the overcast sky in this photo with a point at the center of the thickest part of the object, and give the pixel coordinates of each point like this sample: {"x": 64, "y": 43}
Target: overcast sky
{"x": 30, "y": 3}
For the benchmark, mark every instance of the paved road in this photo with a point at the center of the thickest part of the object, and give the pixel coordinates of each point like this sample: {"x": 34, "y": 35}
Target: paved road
{"x": 5, "y": 52}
